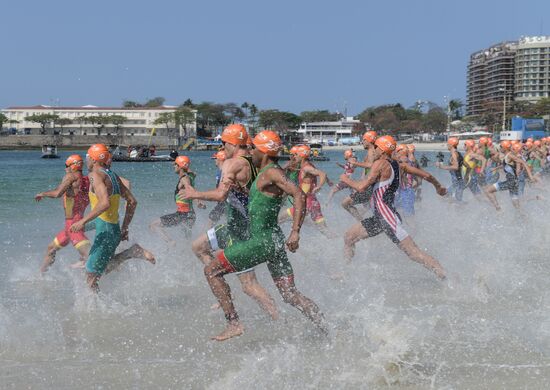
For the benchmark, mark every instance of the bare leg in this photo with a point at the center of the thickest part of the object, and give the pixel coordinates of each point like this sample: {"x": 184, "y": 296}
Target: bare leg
{"x": 416, "y": 254}
{"x": 254, "y": 289}
{"x": 333, "y": 191}
{"x": 92, "y": 280}
{"x": 156, "y": 226}
{"x": 347, "y": 204}
{"x": 323, "y": 228}
{"x": 83, "y": 250}
{"x": 49, "y": 259}
{"x": 292, "y": 296}
{"x": 354, "y": 234}
{"x": 134, "y": 252}
{"x": 214, "y": 273}
{"x": 490, "y": 193}
{"x": 201, "y": 248}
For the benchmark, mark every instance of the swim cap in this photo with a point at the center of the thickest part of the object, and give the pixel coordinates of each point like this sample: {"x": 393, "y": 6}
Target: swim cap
{"x": 235, "y": 134}
{"x": 529, "y": 139}
{"x": 411, "y": 148}
{"x": 294, "y": 150}
{"x": 75, "y": 162}
{"x": 182, "y": 161}
{"x": 506, "y": 145}
{"x": 483, "y": 141}
{"x": 348, "y": 154}
{"x": 469, "y": 143}
{"x": 386, "y": 143}
{"x": 517, "y": 147}
{"x": 529, "y": 145}
{"x": 489, "y": 142}
{"x": 400, "y": 147}
{"x": 268, "y": 142}
{"x": 370, "y": 136}
{"x": 453, "y": 141}
{"x": 99, "y": 153}
{"x": 221, "y": 155}
{"x": 537, "y": 143}
{"x": 303, "y": 151}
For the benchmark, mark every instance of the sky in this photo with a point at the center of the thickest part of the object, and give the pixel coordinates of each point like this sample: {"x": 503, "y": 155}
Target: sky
{"x": 288, "y": 55}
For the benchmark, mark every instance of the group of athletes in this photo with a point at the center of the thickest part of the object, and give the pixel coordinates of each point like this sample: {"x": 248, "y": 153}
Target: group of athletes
{"x": 256, "y": 195}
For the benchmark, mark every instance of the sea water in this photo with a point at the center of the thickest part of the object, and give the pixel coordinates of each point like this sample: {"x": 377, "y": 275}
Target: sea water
{"x": 392, "y": 324}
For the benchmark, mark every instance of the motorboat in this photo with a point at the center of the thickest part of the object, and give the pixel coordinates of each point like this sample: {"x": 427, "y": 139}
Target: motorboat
{"x": 49, "y": 151}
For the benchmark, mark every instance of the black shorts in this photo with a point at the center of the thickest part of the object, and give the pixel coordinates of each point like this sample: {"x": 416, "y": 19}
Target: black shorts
{"x": 361, "y": 197}
{"x": 511, "y": 184}
{"x": 389, "y": 223}
{"x": 175, "y": 219}
{"x": 217, "y": 212}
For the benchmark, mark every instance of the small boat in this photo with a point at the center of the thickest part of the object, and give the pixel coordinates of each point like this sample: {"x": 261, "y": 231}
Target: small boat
{"x": 49, "y": 151}
{"x": 161, "y": 158}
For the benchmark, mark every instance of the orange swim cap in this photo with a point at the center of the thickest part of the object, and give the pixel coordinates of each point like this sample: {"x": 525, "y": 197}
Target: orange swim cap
{"x": 294, "y": 150}
{"x": 506, "y": 145}
{"x": 453, "y": 141}
{"x": 411, "y": 148}
{"x": 529, "y": 145}
{"x": 303, "y": 151}
{"x": 99, "y": 153}
{"x": 183, "y": 161}
{"x": 517, "y": 147}
{"x": 268, "y": 142}
{"x": 400, "y": 147}
{"x": 235, "y": 135}
{"x": 370, "y": 136}
{"x": 469, "y": 143}
{"x": 483, "y": 141}
{"x": 386, "y": 143}
{"x": 537, "y": 143}
{"x": 75, "y": 162}
{"x": 489, "y": 142}
{"x": 348, "y": 154}
{"x": 221, "y": 155}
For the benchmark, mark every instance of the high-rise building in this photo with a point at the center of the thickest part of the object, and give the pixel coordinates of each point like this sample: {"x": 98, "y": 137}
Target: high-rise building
{"x": 532, "y": 72}
{"x": 490, "y": 78}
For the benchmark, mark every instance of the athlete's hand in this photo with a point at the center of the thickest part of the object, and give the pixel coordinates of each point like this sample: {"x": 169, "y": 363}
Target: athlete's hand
{"x": 77, "y": 226}
{"x": 293, "y": 241}
{"x": 442, "y": 191}
{"x": 187, "y": 193}
{"x": 344, "y": 178}
{"x": 124, "y": 234}
{"x": 38, "y": 197}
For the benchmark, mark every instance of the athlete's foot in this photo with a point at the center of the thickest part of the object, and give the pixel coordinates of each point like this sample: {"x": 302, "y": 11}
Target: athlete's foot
{"x": 440, "y": 273}
{"x": 141, "y": 253}
{"x": 78, "y": 265}
{"x": 233, "y": 329}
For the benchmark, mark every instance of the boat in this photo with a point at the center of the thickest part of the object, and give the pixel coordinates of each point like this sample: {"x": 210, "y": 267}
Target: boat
{"x": 160, "y": 158}
{"x": 49, "y": 151}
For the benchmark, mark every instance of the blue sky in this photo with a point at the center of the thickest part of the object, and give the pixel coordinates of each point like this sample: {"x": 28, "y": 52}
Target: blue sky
{"x": 291, "y": 55}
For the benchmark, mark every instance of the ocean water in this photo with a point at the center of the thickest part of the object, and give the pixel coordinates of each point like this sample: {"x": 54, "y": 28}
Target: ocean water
{"x": 392, "y": 324}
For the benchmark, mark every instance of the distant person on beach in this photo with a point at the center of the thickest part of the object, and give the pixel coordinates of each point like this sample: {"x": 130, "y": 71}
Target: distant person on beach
{"x": 105, "y": 192}
{"x": 74, "y": 190}
{"x": 348, "y": 168}
{"x": 424, "y": 161}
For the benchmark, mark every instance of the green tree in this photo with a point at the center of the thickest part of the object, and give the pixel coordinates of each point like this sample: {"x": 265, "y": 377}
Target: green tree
{"x": 166, "y": 119}
{"x": 320, "y": 116}
{"x": 542, "y": 107}
{"x": 155, "y": 102}
{"x": 61, "y": 122}
{"x": 117, "y": 121}
{"x": 131, "y": 103}
{"x": 43, "y": 120}
{"x": 184, "y": 116}
{"x": 456, "y": 108}
{"x": 98, "y": 122}
{"x": 3, "y": 119}
{"x": 279, "y": 121}
{"x": 435, "y": 120}
{"x": 252, "y": 118}
{"x": 233, "y": 112}
{"x": 211, "y": 116}
{"x": 188, "y": 103}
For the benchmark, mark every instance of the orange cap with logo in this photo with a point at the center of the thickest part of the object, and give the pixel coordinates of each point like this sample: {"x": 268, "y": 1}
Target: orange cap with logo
{"x": 370, "y": 136}
{"x": 268, "y": 142}
{"x": 235, "y": 135}
{"x": 506, "y": 145}
{"x": 303, "y": 151}
{"x": 75, "y": 162}
{"x": 183, "y": 161}
{"x": 386, "y": 143}
{"x": 348, "y": 154}
{"x": 483, "y": 141}
{"x": 99, "y": 153}
{"x": 469, "y": 143}
{"x": 453, "y": 141}
{"x": 294, "y": 150}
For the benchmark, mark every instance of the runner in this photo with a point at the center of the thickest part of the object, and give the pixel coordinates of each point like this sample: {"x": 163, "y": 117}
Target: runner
{"x": 454, "y": 167}
{"x": 363, "y": 198}
{"x": 407, "y": 182}
{"x": 348, "y": 168}
{"x": 473, "y": 166}
{"x": 74, "y": 190}
{"x": 310, "y": 180}
{"x": 384, "y": 177}
{"x": 512, "y": 163}
{"x": 105, "y": 192}
{"x": 267, "y": 242}
{"x": 219, "y": 210}
{"x": 184, "y": 215}
{"x": 237, "y": 176}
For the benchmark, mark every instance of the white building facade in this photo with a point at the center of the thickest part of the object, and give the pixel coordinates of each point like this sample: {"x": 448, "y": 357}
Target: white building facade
{"x": 139, "y": 121}
{"x": 324, "y": 132}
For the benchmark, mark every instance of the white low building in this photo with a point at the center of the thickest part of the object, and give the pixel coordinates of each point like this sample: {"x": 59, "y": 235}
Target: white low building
{"x": 139, "y": 120}
{"x": 328, "y": 131}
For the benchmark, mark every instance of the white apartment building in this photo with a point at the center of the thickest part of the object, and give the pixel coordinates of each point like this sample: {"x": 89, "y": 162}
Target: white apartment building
{"x": 139, "y": 120}
{"x": 532, "y": 71}
{"x": 328, "y": 131}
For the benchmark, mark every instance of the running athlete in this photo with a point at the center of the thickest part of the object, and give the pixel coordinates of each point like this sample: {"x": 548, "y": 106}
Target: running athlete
{"x": 237, "y": 176}
{"x": 311, "y": 180}
{"x": 74, "y": 190}
{"x": 417, "y": 187}
{"x": 184, "y": 215}
{"x": 454, "y": 167}
{"x": 266, "y": 243}
{"x": 473, "y": 166}
{"x": 407, "y": 182}
{"x": 357, "y": 198}
{"x": 490, "y": 174}
{"x": 513, "y": 162}
{"x": 348, "y": 168}
{"x": 105, "y": 192}
{"x": 384, "y": 177}
{"x": 219, "y": 210}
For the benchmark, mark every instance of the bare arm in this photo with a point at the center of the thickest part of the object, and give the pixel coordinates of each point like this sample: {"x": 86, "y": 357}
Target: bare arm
{"x": 480, "y": 158}
{"x": 103, "y": 202}
{"x": 67, "y": 181}
{"x": 527, "y": 168}
{"x": 364, "y": 164}
{"x": 320, "y": 174}
{"x": 219, "y": 194}
{"x": 364, "y": 183}
{"x": 453, "y": 166}
{"x": 424, "y": 175}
